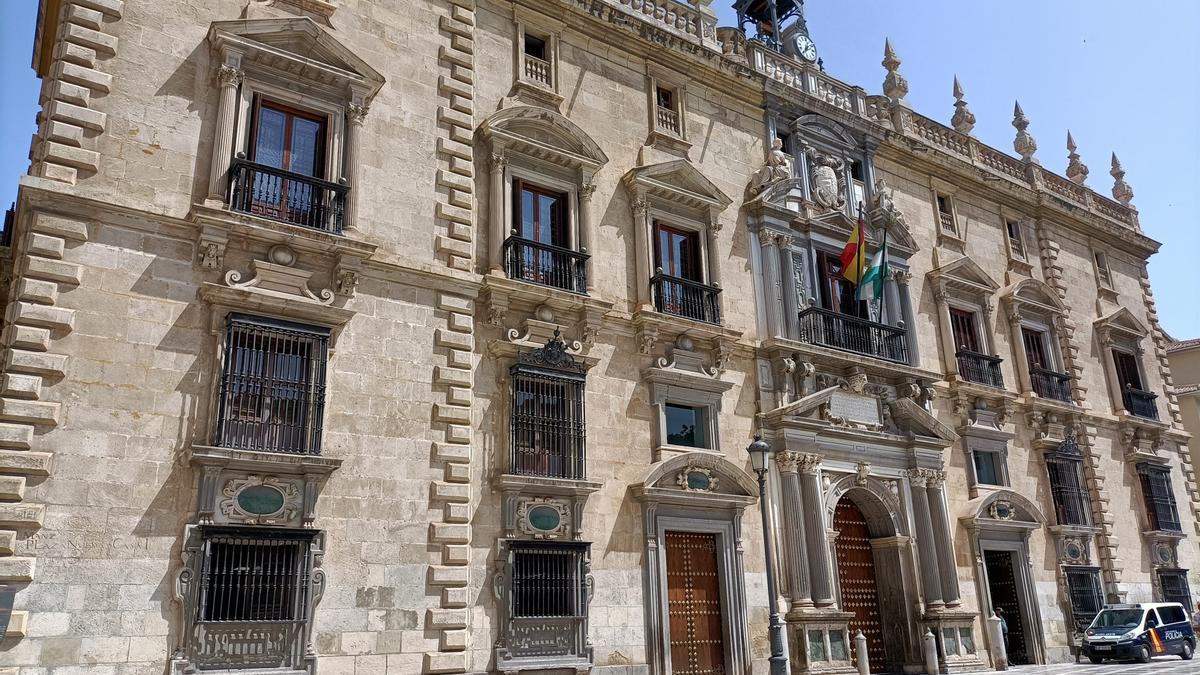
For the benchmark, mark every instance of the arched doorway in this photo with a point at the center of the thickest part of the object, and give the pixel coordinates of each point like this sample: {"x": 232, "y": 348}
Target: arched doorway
{"x": 856, "y": 576}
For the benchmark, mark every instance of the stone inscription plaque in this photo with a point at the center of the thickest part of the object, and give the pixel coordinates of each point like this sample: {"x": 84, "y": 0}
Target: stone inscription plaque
{"x": 855, "y": 407}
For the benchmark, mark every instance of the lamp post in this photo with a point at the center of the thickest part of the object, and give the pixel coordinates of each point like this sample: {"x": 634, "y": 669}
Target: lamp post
{"x": 760, "y": 457}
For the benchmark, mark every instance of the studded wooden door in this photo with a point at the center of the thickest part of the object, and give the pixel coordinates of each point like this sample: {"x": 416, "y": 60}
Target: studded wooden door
{"x": 694, "y": 604}
{"x": 856, "y": 572}
{"x": 1002, "y": 588}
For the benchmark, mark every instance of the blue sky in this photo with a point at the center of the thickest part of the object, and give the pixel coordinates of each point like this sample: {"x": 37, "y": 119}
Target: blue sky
{"x": 1121, "y": 76}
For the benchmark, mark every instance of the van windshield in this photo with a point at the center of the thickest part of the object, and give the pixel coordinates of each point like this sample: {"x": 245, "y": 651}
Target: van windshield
{"x": 1118, "y": 618}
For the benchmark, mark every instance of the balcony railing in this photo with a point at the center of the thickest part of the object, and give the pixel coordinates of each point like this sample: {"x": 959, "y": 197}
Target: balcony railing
{"x": 1141, "y": 403}
{"x": 545, "y": 264}
{"x": 1049, "y": 384}
{"x": 668, "y": 120}
{"x": 980, "y": 368}
{"x": 287, "y": 196}
{"x": 947, "y": 222}
{"x": 686, "y": 298}
{"x": 850, "y": 333}
{"x": 537, "y": 70}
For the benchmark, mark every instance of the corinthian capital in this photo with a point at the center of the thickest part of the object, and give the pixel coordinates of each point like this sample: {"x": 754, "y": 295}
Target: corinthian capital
{"x": 809, "y": 463}
{"x": 229, "y": 76}
{"x": 357, "y": 112}
{"x": 788, "y": 461}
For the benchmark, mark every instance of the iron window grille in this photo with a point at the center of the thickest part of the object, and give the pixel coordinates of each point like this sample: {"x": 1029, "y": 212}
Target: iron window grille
{"x": 548, "y": 580}
{"x": 1160, "y": 499}
{"x": 1083, "y": 586}
{"x": 255, "y": 575}
{"x": 1072, "y": 506}
{"x": 272, "y": 394}
{"x": 1175, "y": 587}
{"x": 548, "y": 424}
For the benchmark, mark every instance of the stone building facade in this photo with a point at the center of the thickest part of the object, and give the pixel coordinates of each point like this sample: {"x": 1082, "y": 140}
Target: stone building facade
{"x": 427, "y": 337}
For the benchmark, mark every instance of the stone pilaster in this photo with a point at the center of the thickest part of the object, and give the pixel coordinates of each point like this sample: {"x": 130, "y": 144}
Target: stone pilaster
{"x": 943, "y": 538}
{"x": 820, "y": 564}
{"x": 230, "y": 77}
{"x": 356, "y": 116}
{"x": 928, "y": 559}
{"x": 769, "y": 243}
{"x": 799, "y": 591}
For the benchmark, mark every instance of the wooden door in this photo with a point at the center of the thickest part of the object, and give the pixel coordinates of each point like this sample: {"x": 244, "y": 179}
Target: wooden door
{"x": 856, "y": 573}
{"x": 1002, "y": 588}
{"x": 694, "y": 604}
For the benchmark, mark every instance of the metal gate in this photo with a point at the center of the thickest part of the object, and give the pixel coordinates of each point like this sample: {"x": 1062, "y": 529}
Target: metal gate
{"x": 694, "y": 604}
{"x": 856, "y": 573}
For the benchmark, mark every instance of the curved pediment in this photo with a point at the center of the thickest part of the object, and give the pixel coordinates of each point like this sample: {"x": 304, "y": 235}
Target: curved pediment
{"x": 543, "y": 134}
{"x": 298, "y": 47}
{"x": 677, "y": 181}
{"x": 698, "y": 475}
{"x": 1033, "y": 293}
{"x": 1002, "y": 508}
{"x": 817, "y": 127}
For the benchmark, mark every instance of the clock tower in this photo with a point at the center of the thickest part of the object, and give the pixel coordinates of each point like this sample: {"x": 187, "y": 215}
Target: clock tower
{"x": 796, "y": 40}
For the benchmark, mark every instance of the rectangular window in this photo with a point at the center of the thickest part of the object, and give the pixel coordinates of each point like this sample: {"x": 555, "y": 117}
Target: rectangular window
{"x": 547, "y": 424}
{"x": 1160, "y": 498}
{"x": 677, "y": 252}
{"x": 255, "y": 575}
{"x": 272, "y": 394}
{"x": 535, "y": 47}
{"x": 962, "y": 324}
{"x": 537, "y": 60}
{"x": 1102, "y": 270}
{"x": 858, "y": 182}
{"x": 837, "y": 293}
{"x": 1035, "y": 348}
{"x": 1071, "y": 503}
{"x": 1128, "y": 374}
{"x": 686, "y": 426}
{"x": 946, "y": 213}
{"x": 667, "y": 104}
{"x": 1087, "y": 600}
{"x": 289, "y": 139}
{"x": 988, "y": 470}
{"x": 547, "y": 580}
{"x": 1016, "y": 243}
{"x": 540, "y": 214}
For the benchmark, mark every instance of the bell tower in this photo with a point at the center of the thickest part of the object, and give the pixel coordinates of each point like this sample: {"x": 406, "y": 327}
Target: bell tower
{"x": 780, "y": 24}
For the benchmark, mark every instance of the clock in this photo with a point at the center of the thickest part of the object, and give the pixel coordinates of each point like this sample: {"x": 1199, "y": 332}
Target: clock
{"x": 804, "y": 47}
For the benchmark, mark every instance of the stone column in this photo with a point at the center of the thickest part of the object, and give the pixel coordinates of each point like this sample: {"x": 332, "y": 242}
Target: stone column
{"x": 943, "y": 538}
{"x": 902, "y": 277}
{"x": 769, "y": 243}
{"x": 820, "y": 567}
{"x": 1020, "y": 357}
{"x": 1116, "y": 388}
{"x": 789, "y": 327}
{"x": 641, "y": 233}
{"x": 945, "y": 329}
{"x": 230, "y": 76}
{"x": 497, "y": 230}
{"x": 356, "y": 114}
{"x": 587, "y": 241}
{"x": 800, "y": 594}
{"x": 926, "y": 543}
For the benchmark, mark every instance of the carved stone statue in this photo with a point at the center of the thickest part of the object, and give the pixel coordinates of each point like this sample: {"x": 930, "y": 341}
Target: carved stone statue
{"x": 828, "y": 180}
{"x": 777, "y": 167}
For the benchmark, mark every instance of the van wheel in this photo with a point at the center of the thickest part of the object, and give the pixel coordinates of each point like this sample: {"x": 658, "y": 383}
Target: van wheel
{"x": 1186, "y": 654}
{"x": 1143, "y": 655}
{"x": 1096, "y": 659}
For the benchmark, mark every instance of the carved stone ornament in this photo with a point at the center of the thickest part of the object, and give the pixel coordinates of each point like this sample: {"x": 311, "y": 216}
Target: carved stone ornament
{"x": 1074, "y": 551}
{"x": 828, "y": 180}
{"x": 963, "y": 120}
{"x": 278, "y": 276}
{"x": 862, "y": 471}
{"x": 543, "y": 518}
{"x": 1001, "y": 510}
{"x": 229, "y": 76}
{"x": 1024, "y": 143}
{"x": 777, "y": 167}
{"x": 210, "y": 248}
{"x": 1121, "y": 190}
{"x": 553, "y": 355}
{"x": 883, "y": 206}
{"x": 895, "y": 86}
{"x": 1077, "y": 171}
{"x": 697, "y": 479}
{"x": 262, "y": 500}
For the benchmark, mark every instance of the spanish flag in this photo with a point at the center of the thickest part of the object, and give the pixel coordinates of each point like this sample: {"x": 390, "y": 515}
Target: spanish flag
{"x": 852, "y": 255}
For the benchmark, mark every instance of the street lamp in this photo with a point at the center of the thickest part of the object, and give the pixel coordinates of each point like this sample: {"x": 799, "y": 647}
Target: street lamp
{"x": 760, "y": 458}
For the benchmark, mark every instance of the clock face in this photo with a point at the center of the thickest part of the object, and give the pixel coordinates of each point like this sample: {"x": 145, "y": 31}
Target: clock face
{"x": 805, "y": 47}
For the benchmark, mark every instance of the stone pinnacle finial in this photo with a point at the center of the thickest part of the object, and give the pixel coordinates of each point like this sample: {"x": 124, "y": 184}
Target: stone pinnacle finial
{"x": 895, "y": 86}
{"x": 1024, "y": 143}
{"x": 1121, "y": 190}
{"x": 1077, "y": 171}
{"x": 963, "y": 120}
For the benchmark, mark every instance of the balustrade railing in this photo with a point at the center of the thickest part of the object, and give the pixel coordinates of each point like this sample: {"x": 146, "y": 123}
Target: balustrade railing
{"x": 1050, "y": 384}
{"x": 947, "y": 220}
{"x": 287, "y": 196}
{"x": 980, "y": 368}
{"x": 686, "y": 298}
{"x": 545, "y": 264}
{"x": 668, "y": 120}
{"x": 852, "y": 334}
{"x": 1141, "y": 403}
{"x": 537, "y": 70}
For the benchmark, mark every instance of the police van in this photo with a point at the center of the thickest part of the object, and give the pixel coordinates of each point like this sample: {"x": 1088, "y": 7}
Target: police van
{"x": 1139, "y": 632}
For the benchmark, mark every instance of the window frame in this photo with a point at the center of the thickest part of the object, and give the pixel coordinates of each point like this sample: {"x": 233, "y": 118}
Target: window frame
{"x": 1020, "y": 252}
{"x": 696, "y": 247}
{"x": 996, "y": 447}
{"x": 1103, "y": 270}
{"x": 660, "y": 78}
{"x": 1181, "y": 575}
{"x": 301, "y": 593}
{"x": 1082, "y": 618}
{"x": 255, "y": 87}
{"x": 940, "y": 197}
{"x": 548, "y": 367}
{"x": 528, "y": 26}
{"x": 573, "y": 629}
{"x": 1158, "y": 500}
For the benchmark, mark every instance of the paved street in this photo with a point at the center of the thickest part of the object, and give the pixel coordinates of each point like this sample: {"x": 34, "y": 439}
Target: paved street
{"x": 1163, "y": 665}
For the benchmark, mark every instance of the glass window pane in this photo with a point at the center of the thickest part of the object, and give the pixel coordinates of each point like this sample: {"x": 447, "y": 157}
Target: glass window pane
{"x": 685, "y": 426}
{"x": 986, "y": 469}
{"x": 528, "y": 214}
{"x": 547, "y": 208}
{"x": 306, "y": 139}
{"x": 268, "y": 144}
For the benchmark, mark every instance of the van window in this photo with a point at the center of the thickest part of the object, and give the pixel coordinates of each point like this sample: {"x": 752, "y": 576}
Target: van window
{"x": 1118, "y": 618}
{"x": 1172, "y": 614}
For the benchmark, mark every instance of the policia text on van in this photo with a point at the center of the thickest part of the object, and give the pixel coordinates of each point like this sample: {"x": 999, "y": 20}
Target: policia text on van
{"x": 1139, "y": 632}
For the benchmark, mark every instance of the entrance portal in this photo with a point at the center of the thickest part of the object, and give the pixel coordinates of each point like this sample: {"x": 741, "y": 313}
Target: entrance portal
{"x": 694, "y": 604}
{"x": 1002, "y": 588}
{"x": 856, "y": 573}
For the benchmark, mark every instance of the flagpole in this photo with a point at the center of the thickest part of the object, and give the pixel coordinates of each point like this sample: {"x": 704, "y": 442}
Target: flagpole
{"x": 883, "y": 281}
{"x": 862, "y": 251}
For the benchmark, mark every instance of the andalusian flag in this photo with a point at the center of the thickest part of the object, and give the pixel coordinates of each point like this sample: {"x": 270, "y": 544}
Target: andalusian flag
{"x": 852, "y": 255}
{"x": 871, "y": 286}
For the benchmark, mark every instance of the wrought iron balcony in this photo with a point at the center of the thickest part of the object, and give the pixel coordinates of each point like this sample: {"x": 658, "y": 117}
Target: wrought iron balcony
{"x": 1049, "y": 384}
{"x": 980, "y": 368}
{"x": 545, "y": 264}
{"x": 852, "y": 334}
{"x": 668, "y": 120}
{"x": 1140, "y": 403}
{"x": 686, "y": 298}
{"x": 537, "y": 70}
{"x": 287, "y": 196}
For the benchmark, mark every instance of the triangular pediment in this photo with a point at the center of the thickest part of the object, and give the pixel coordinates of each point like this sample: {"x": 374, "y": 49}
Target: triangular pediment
{"x": 966, "y": 274}
{"x": 1122, "y": 321}
{"x": 679, "y": 181}
{"x": 543, "y": 134}
{"x": 1033, "y": 293}
{"x": 298, "y": 48}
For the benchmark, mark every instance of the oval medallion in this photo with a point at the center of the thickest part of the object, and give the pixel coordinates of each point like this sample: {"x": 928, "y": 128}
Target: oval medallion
{"x": 1073, "y": 551}
{"x": 544, "y": 518}
{"x": 260, "y": 500}
{"x": 1164, "y": 554}
{"x": 698, "y": 480}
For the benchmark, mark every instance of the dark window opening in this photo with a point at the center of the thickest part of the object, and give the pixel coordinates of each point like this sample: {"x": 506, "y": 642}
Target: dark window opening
{"x": 1035, "y": 348}
{"x": 1086, "y": 597}
{"x": 677, "y": 252}
{"x": 255, "y": 576}
{"x": 858, "y": 182}
{"x": 272, "y": 396}
{"x": 945, "y": 213}
{"x": 962, "y": 324}
{"x": 1102, "y": 270}
{"x": 1015, "y": 242}
{"x": 686, "y": 426}
{"x": 1159, "y": 498}
{"x": 665, "y": 98}
{"x": 547, "y": 580}
{"x": 1071, "y": 502}
{"x": 987, "y": 468}
{"x": 548, "y": 423}
{"x": 1128, "y": 374}
{"x": 837, "y": 292}
{"x": 540, "y": 214}
{"x": 535, "y": 47}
